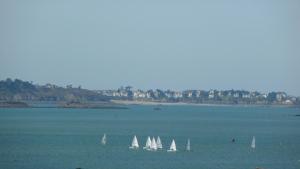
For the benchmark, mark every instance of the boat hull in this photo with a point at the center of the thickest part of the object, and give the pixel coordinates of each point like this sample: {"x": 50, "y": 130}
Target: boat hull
{"x": 133, "y": 147}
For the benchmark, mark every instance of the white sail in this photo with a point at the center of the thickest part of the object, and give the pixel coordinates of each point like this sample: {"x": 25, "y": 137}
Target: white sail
{"x": 172, "y": 147}
{"x": 158, "y": 143}
{"x": 134, "y": 144}
{"x": 153, "y": 144}
{"x": 103, "y": 141}
{"x": 148, "y": 143}
{"x": 188, "y": 145}
{"x": 253, "y": 142}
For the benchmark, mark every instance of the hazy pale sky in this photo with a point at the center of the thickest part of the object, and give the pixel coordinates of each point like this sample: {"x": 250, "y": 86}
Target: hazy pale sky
{"x": 200, "y": 44}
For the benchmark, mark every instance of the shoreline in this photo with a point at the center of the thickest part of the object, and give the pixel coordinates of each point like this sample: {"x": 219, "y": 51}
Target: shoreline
{"x": 121, "y": 104}
{"x": 153, "y": 103}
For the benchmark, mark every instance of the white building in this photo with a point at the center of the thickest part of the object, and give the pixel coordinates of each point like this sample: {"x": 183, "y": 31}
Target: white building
{"x": 211, "y": 94}
{"x": 246, "y": 95}
{"x": 280, "y": 96}
{"x": 236, "y": 95}
{"x": 139, "y": 94}
{"x": 177, "y": 95}
{"x": 198, "y": 93}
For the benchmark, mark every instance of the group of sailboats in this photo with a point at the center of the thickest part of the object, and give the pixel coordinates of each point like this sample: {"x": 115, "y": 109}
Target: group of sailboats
{"x": 153, "y": 145}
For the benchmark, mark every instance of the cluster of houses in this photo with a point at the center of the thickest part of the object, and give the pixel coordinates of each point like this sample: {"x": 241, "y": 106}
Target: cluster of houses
{"x": 224, "y": 96}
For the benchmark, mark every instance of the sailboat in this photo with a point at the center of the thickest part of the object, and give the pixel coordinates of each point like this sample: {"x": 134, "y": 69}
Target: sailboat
{"x": 134, "y": 144}
{"x": 172, "y": 147}
{"x": 158, "y": 143}
{"x": 103, "y": 140}
{"x": 188, "y": 145}
{"x": 253, "y": 142}
{"x": 153, "y": 146}
{"x": 148, "y": 144}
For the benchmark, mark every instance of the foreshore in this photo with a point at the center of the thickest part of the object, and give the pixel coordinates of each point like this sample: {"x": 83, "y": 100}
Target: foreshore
{"x": 135, "y": 102}
{"x": 122, "y": 104}
{"x": 154, "y": 103}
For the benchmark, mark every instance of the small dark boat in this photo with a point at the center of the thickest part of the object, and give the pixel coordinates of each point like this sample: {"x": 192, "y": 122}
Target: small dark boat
{"x": 157, "y": 108}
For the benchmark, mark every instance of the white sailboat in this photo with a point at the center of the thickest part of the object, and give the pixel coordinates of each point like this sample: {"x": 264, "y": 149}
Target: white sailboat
{"x": 103, "y": 140}
{"x": 172, "y": 147}
{"x": 253, "y": 142}
{"x": 134, "y": 144}
{"x": 148, "y": 144}
{"x": 153, "y": 146}
{"x": 188, "y": 145}
{"x": 158, "y": 143}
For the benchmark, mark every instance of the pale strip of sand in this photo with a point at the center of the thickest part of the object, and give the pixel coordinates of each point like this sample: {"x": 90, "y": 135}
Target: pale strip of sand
{"x": 135, "y": 102}
{"x": 153, "y": 103}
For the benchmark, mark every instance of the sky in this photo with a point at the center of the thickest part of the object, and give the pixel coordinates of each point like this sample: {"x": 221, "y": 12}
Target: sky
{"x": 167, "y": 44}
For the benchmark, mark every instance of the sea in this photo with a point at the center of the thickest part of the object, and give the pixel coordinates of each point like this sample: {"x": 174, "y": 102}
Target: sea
{"x": 58, "y": 138}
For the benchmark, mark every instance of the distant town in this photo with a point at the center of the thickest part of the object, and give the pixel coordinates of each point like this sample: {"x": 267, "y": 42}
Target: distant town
{"x": 202, "y": 96}
{"x": 23, "y": 91}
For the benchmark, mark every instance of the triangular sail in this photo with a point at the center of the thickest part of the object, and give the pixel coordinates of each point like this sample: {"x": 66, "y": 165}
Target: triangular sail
{"x": 253, "y": 142}
{"x": 103, "y": 140}
{"x": 148, "y": 143}
{"x": 153, "y": 144}
{"x": 134, "y": 143}
{"x": 188, "y": 145}
{"x": 158, "y": 143}
{"x": 173, "y": 146}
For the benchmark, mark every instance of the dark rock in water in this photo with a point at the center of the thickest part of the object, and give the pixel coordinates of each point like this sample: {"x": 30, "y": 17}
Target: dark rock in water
{"x": 92, "y": 105}
{"x": 13, "y": 104}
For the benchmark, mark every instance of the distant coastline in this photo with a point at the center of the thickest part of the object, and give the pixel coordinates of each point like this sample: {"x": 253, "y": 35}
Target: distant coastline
{"x": 24, "y": 92}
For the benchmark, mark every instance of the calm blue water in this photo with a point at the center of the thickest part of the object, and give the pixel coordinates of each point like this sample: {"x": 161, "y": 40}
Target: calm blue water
{"x": 49, "y": 138}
